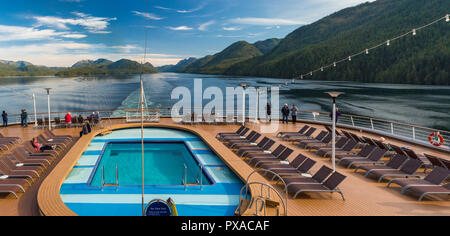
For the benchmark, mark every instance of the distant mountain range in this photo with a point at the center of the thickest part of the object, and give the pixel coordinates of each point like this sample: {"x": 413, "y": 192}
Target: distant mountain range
{"x": 420, "y": 59}
{"x": 82, "y": 68}
{"x": 106, "y": 67}
{"x": 23, "y": 68}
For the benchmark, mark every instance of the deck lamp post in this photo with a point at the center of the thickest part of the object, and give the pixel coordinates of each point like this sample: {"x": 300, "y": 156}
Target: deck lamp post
{"x": 49, "y": 113}
{"x": 334, "y": 96}
{"x": 35, "y": 112}
{"x": 244, "y": 86}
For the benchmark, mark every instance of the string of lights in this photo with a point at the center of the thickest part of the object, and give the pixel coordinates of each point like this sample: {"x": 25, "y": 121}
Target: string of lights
{"x": 367, "y": 50}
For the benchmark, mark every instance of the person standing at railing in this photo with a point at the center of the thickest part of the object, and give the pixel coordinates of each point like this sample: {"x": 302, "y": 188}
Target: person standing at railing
{"x": 338, "y": 114}
{"x": 285, "y": 112}
{"x": 294, "y": 111}
{"x": 5, "y": 119}
{"x": 269, "y": 111}
{"x": 68, "y": 118}
{"x": 24, "y": 118}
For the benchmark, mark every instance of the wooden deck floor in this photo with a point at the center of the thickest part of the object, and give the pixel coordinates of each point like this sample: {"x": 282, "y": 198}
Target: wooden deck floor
{"x": 363, "y": 196}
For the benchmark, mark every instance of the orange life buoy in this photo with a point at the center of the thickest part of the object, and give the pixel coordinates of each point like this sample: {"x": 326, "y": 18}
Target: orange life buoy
{"x": 436, "y": 139}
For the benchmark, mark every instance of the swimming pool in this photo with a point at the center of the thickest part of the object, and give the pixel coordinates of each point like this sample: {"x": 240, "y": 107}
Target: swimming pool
{"x": 169, "y": 156}
{"x": 166, "y": 163}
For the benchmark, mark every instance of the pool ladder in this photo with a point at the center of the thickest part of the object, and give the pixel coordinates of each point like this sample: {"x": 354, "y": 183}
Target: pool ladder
{"x": 199, "y": 178}
{"x": 109, "y": 185}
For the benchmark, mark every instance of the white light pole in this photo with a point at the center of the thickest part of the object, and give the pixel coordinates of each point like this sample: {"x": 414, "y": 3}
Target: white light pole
{"x": 35, "y": 112}
{"x": 49, "y": 113}
{"x": 244, "y": 86}
{"x": 334, "y": 95}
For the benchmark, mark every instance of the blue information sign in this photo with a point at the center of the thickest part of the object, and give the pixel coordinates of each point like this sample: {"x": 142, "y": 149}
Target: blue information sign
{"x": 158, "y": 208}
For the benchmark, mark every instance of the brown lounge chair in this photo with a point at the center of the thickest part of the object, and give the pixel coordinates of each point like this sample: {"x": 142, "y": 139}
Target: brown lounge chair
{"x": 20, "y": 167}
{"x": 22, "y": 157}
{"x": 249, "y": 141}
{"x": 22, "y": 151}
{"x": 300, "y": 132}
{"x": 435, "y": 161}
{"x": 65, "y": 141}
{"x": 319, "y": 137}
{"x": 266, "y": 148}
{"x": 59, "y": 144}
{"x": 241, "y": 149}
{"x": 25, "y": 162}
{"x": 346, "y": 150}
{"x": 231, "y": 133}
{"x": 11, "y": 189}
{"x": 292, "y": 165}
{"x": 234, "y": 138}
{"x": 309, "y": 144}
{"x": 266, "y": 154}
{"x": 15, "y": 140}
{"x": 306, "y": 135}
{"x": 318, "y": 178}
{"x": 51, "y": 135}
{"x": 329, "y": 186}
{"x": 303, "y": 168}
{"x": 435, "y": 177}
{"x": 424, "y": 191}
{"x": 255, "y": 144}
{"x": 394, "y": 164}
{"x": 238, "y": 134}
{"x": 408, "y": 170}
{"x": 323, "y": 150}
{"x": 364, "y": 153}
{"x": 23, "y": 174}
{"x": 271, "y": 159}
{"x": 374, "y": 158}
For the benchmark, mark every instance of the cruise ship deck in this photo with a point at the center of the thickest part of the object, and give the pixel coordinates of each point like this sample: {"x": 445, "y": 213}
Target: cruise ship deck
{"x": 363, "y": 196}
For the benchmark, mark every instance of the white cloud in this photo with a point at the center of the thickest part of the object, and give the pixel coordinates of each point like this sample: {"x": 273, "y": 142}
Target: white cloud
{"x": 200, "y": 7}
{"x": 205, "y": 25}
{"x": 265, "y": 21}
{"x": 14, "y": 33}
{"x": 91, "y": 23}
{"x": 146, "y": 15}
{"x": 180, "y": 28}
{"x": 74, "y": 36}
{"x": 231, "y": 28}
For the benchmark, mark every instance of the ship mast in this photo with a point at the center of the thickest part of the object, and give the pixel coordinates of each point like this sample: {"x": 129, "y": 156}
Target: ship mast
{"x": 142, "y": 102}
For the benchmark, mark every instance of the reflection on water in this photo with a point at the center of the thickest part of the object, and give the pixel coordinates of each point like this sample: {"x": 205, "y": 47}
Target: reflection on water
{"x": 421, "y": 105}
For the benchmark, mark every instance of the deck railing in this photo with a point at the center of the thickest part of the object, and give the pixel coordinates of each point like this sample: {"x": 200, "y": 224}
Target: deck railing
{"x": 407, "y": 131}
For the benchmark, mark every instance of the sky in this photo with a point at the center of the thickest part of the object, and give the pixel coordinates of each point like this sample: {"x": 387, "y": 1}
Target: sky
{"x": 62, "y": 32}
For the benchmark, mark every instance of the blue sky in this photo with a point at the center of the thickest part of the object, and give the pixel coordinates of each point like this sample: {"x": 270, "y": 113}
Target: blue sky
{"x": 62, "y": 32}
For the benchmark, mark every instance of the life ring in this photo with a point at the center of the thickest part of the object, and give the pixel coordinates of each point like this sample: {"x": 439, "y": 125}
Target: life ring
{"x": 436, "y": 139}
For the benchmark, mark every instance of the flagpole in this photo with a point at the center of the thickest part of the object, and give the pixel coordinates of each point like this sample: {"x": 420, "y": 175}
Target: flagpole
{"x": 142, "y": 142}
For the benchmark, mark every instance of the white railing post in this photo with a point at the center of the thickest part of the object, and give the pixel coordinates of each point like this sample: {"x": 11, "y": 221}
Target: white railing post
{"x": 414, "y": 132}
{"x": 353, "y": 121}
{"x": 371, "y": 122}
{"x": 392, "y": 128}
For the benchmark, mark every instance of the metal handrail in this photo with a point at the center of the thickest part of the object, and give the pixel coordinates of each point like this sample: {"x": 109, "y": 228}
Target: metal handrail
{"x": 184, "y": 177}
{"x": 404, "y": 130}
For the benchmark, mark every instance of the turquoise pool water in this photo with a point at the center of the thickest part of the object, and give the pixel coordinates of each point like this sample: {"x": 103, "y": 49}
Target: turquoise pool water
{"x": 166, "y": 152}
{"x": 164, "y": 164}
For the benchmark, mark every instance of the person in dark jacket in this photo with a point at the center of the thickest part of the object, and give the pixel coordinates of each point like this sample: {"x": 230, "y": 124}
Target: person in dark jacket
{"x": 285, "y": 112}
{"x": 5, "y": 119}
{"x": 294, "y": 111}
{"x": 338, "y": 114}
{"x": 269, "y": 111}
{"x": 86, "y": 129}
{"x": 24, "y": 118}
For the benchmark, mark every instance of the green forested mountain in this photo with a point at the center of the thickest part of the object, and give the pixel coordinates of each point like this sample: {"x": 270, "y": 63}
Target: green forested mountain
{"x": 22, "y": 68}
{"x": 268, "y": 45}
{"x": 220, "y": 62}
{"x": 420, "y": 59}
{"x": 105, "y": 67}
